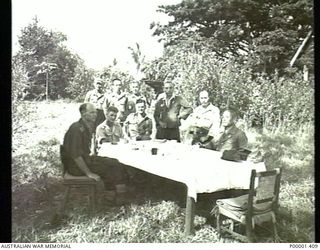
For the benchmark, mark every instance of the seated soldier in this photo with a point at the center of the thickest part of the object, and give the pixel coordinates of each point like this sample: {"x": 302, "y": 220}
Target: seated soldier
{"x": 110, "y": 130}
{"x": 231, "y": 139}
{"x": 138, "y": 126}
{"x": 77, "y": 158}
{"x": 204, "y": 117}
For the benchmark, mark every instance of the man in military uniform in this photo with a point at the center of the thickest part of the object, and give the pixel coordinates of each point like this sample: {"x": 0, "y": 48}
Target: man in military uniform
{"x": 76, "y": 155}
{"x": 231, "y": 139}
{"x": 138, "y": 126}
{"x": 118, "y": 99}
{"x": 96, "y": 97}
{"x": 134, "y": 96}
{"x": 110, "y": 130}
{"x": 169, "y": 109}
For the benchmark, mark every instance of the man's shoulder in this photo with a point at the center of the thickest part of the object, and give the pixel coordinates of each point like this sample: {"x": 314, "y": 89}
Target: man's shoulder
{"x": 214, "y": 108}
{"x": 236, "y": 131}
{"x": 117, "y": 125}
{"x": 101, "y": 126}
{"x": 77, "y": 126}
{"x": 131, "y": 116}
{"x": 90, "y": 92}
{"x": 160, "y": 99}
{"x": 197, "y": 109}
{"x": 177, "y": 98}
{"x": 147, "y": 119}
{"x": 161, "y": 96}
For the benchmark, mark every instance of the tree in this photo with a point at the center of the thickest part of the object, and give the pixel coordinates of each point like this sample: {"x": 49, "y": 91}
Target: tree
{"x": 81, "y": 83}
{"x": 262, "y": 34}
{"x": 46, "y": 68}
{"x": 39, "y": 46}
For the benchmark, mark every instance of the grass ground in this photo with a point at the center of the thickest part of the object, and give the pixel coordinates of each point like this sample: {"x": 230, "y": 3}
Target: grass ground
{"x": 155, "y": 213}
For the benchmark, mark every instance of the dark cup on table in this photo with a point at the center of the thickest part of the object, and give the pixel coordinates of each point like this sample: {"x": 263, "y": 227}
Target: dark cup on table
{"x": 154, "y": 151}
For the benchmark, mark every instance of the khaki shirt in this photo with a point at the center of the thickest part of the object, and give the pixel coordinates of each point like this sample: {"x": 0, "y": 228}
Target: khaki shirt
{"x": 96, "y": 98}
{"x": 120, "y": 101}
{"x": 104, "y": 132}
{"x": 138, "y": 127}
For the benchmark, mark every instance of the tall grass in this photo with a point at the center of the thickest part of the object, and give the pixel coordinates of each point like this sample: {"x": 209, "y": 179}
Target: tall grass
{"x": 37, "y": 191}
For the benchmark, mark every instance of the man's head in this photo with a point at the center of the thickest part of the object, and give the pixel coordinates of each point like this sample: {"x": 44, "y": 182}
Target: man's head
{"x": 97, "y": 84}
{"x": 135, "y": 88}
{"x": 88, "y": 112}
{"x": 111, "y": 114}
{"x": 168, "y": 88}
{"x": 140, "y": 106}
{"x": 204, "y": 98}
{"x": 229, "y": 117}
{"x": 117, "y": 85}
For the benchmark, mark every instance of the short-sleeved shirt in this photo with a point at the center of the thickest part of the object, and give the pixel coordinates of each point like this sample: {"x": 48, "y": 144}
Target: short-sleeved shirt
{"x": 169, "y": 111}
{"x": 138, "y": 127}
{"x": 232, "y": 138}
{"x": 77, "y": 142}
{"x": 96, "y": 98}
{"x": 120, "y": 101}
{"x": 107, "y": 133}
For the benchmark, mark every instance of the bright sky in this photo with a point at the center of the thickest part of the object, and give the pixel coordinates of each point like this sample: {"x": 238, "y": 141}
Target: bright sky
{"x": 97, "y": 30}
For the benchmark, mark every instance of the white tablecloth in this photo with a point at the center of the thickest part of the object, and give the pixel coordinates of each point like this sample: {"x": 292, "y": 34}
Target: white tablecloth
{"x": 201, "y": 170}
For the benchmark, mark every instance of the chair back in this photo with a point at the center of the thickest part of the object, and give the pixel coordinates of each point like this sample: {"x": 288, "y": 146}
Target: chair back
{"x": 63, "y": 158}
{"x": 264, "y": 190}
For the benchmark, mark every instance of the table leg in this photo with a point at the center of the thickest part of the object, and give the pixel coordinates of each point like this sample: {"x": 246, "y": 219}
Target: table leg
{"x": 190, "y": 209}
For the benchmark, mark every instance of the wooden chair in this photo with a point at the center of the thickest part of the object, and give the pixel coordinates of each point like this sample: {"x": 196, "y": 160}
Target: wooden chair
{"x": 255, "y": 208}
{"x": 77, "y": 182}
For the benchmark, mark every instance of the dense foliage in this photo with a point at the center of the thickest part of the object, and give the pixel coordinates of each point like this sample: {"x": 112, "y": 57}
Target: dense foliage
{"x": 261, "y": 99}
{"x": 263, "y": 34}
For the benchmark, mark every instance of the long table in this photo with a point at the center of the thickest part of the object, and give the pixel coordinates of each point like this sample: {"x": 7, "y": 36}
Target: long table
{"x": 201, "y": 170}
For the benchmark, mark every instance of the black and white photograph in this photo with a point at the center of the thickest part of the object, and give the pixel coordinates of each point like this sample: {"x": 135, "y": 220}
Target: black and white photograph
{"x": 162, "y": 121}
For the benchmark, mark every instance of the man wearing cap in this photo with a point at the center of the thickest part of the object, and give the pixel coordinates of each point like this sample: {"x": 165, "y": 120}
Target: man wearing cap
{"x": 96, "y": 97}
{"x": 169, "y": 110}
{"x": 118, "y": 99}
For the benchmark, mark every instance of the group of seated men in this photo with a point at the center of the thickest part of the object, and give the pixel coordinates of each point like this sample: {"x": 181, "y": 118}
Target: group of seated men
{"x": 114, "y": 116}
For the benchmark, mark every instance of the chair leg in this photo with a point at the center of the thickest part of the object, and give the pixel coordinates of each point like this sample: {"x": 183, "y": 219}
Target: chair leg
{"x": 218, "y": 218}
{"x": 274, "y": 226}
{"x": 231, "y": 225}
{"x": 249, "y": 229}
{"x": 65, "y": 200}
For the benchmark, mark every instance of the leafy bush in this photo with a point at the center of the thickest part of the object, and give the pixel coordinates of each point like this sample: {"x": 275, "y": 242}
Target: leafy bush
{"x": 262, "y": 100}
